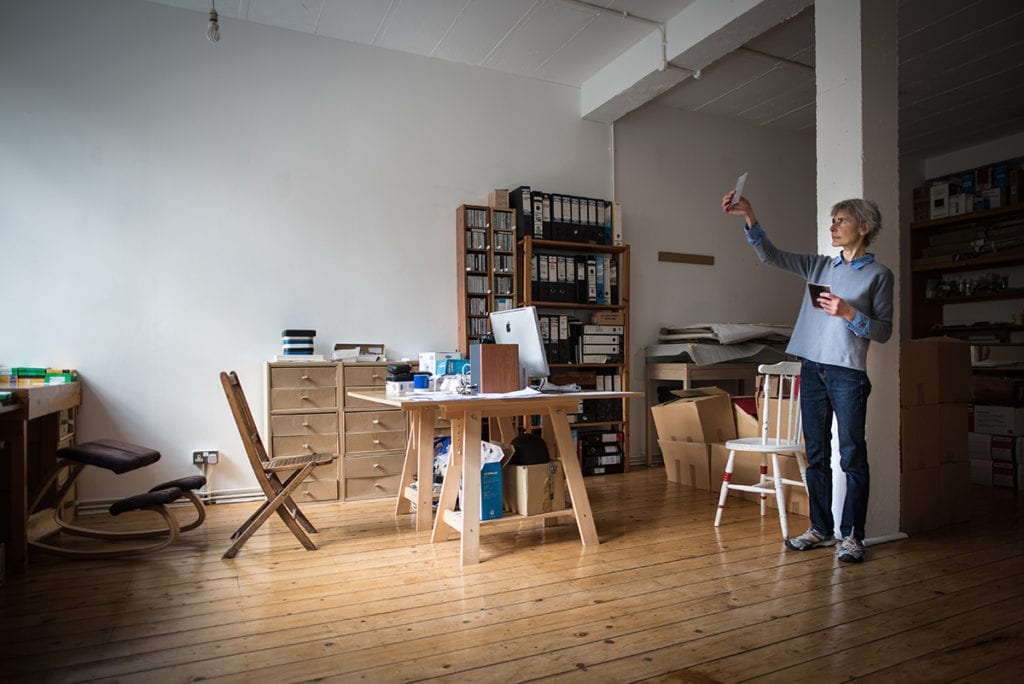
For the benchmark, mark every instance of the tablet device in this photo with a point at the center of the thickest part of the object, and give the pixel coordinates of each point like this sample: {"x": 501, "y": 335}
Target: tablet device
{"x": 815, "y": 289}
{"x": 740, "y": 182}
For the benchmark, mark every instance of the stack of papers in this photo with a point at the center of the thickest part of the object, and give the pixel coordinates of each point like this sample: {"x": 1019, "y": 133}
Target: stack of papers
{"x": 358, "y": 352}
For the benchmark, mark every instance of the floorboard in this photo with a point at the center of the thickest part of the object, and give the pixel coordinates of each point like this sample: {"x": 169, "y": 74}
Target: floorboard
{"x": 665, "y": 597}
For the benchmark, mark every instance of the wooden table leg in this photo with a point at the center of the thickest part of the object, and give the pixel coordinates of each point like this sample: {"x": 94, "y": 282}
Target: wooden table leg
{"x": 450, "y": 486}
{"x": 403, "y": 504}
{"x": 425, "y": 418}
{"x": 471, "y": 488}
{"x": 573, "y": 476}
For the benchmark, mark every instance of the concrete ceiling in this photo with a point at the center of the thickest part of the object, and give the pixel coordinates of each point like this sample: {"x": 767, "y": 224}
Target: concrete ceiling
{"x": 961, "y": 76}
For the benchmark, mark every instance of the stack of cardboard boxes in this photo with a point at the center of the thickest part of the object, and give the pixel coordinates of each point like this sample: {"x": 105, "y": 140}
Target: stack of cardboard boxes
{"x": 692, "y": 431}
{"x": 935, "y": 388}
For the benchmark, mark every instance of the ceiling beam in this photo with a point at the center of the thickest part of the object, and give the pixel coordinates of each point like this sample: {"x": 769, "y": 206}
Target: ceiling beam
{"x": 701, "y": 34}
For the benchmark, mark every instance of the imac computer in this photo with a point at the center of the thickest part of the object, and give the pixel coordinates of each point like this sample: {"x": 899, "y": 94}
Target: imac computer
{"x": 522, "y": 327}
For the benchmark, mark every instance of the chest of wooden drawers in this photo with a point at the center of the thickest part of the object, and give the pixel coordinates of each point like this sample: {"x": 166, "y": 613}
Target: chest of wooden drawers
{"x": 302, "y": 418}
{"x": 373, "y": 436}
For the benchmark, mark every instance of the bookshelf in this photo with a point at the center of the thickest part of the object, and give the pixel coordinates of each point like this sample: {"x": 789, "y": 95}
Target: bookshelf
{"x": 581, "y": 291}
{"x": 486, "y": 268}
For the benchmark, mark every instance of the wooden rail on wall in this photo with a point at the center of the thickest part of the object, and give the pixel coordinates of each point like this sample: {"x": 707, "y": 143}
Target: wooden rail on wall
{"x": 680, "y": 258}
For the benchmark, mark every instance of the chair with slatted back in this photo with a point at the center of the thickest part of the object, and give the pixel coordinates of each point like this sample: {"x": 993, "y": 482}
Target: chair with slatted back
{"x": 780, "y": 410}
{"x": 268, "y": 473}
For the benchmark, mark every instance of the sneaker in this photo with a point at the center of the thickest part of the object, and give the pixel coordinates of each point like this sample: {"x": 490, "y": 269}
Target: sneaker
{"x": 851, "y": 550}
{"x": 811, "y": 539}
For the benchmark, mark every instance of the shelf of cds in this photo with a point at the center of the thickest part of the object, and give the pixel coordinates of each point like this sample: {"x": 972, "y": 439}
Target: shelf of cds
{"x": 486, "y": 268}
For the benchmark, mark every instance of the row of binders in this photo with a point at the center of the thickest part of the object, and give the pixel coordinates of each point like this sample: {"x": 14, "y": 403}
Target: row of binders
{"x": 579, "y": 278}
{"x": 600, "y": 452}
{"x": 567, "y": 218}
{"x": 568, "y": 340}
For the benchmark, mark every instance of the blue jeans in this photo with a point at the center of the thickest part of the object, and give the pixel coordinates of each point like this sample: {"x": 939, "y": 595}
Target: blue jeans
{"x": 825, "y": 390}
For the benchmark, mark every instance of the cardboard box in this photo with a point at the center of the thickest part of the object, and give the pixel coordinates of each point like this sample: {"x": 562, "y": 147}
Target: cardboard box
{"x": 920, "y": 438}
{"x": 935, "y": 370}
{"x": 687, "y": 463}
{"x": 429, "y": 360}
{"x": 534, "y": 489}
{"x": 498, "y": 199}
{"x": 747, "y": 425}
{"x": 774, "y": 426}
{"x": 996, "y": 420}
{"x": 955, "y": 491}
{"x": 953, "y": 433}
{"x": 699, "y": 415}
{"x": 920, "y": 507}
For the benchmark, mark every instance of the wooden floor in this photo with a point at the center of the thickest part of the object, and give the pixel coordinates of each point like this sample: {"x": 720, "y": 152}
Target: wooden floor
{"x": 665, "y": 598}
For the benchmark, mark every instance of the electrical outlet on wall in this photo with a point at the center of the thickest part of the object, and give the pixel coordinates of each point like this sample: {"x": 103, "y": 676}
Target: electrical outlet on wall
{"x": 210, "y": 456}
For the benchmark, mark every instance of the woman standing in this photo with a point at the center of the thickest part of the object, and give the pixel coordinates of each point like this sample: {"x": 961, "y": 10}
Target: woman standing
{"x": 831, "y": 337}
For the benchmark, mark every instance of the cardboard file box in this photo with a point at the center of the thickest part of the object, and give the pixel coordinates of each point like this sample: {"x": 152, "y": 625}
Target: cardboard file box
{"x": 533, "y": 489}
{"x": 935, "y": 370}
{"x": 699, "y": 415}
{"x": 687, "y": 463}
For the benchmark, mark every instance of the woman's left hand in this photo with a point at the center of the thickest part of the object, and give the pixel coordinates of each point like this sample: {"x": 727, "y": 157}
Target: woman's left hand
{"x": 836, "y": 306}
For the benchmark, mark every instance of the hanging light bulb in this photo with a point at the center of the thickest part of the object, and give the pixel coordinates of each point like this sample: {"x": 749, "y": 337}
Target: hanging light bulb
{"x": 213, "y": 30}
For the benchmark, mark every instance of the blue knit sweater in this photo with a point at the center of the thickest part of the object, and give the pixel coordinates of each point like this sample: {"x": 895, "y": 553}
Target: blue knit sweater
{"x": 863, "y": 283}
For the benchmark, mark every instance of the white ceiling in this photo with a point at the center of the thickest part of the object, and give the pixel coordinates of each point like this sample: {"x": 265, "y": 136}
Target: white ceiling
{"x": 961, "y": 74}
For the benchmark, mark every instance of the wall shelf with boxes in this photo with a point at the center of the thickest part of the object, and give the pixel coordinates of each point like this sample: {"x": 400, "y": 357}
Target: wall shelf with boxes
{"x": 967, "y": 249}
{"x": 486, "y": 268}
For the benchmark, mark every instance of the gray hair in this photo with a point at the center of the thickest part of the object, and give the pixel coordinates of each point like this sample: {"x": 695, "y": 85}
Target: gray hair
{"x": 863, "y": 212}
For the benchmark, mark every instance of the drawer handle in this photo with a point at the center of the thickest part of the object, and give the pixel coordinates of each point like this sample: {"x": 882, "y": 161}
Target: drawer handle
{"x": 305, "y": 397}
{"x": 378, "y": 466}
{"x": 376, "y": 441}
{"x": 378, "y": 485}
{"x": 305, "y": 423}
{"x": 375, "y": 376}
{"x": 305, "y": 492}
{"x": 306, "y": 446}
{"x": 305, "y": 377}
{"x": 376, "y": 421}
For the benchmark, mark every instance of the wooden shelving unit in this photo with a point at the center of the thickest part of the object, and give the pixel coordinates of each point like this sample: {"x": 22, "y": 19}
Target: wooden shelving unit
{"x": 573, "y": 304}
{"x": 486, "y": 268}
{"x": 929, "y": 289}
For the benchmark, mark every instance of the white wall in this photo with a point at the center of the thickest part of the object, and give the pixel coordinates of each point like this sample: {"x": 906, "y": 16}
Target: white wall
{"x": 672, "y": 169}
{"x": 168, "y": 206}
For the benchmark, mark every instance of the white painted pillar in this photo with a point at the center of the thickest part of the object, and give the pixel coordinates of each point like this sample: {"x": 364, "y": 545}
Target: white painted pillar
{"x": 856, "y": 73}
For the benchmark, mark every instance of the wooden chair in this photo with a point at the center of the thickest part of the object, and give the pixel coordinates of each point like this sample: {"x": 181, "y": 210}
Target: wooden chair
{"x": 784, "y": 413}
{"x": 268, "y": 473}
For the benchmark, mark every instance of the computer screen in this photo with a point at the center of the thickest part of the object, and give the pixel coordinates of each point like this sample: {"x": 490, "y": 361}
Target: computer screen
{"x": 522, "y": 327}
